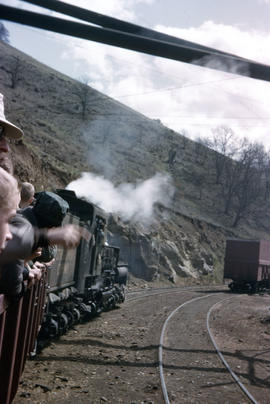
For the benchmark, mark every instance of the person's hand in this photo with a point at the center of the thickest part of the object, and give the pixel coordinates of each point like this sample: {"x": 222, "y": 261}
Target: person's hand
{"x": 36, "y": 253}
{"x": 35, "y": 273}
{"x": 39, "y": 265}
{"x": 68, "y": 236}
{"x": 49, "y": 264}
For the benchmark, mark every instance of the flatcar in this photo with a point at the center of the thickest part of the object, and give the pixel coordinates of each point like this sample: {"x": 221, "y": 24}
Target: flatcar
{"x": 247, "y": 265}
{"x": 85, "y": 281}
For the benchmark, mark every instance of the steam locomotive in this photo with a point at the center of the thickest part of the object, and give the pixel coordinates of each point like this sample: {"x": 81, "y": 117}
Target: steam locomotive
{"x": 85, "y": 281}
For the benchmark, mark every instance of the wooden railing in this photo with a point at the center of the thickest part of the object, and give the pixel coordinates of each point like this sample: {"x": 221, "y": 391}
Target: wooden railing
{"x": 19, "y": 324}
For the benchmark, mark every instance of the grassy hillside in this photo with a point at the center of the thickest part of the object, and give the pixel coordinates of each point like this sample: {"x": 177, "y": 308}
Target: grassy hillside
{"x": 124, "y": 146}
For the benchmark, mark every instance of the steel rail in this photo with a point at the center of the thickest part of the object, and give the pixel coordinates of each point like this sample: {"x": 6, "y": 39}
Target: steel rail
{"x": 161, "y": 291}
{"x": 160, "y": 350}
{"x": 175, "y": 288}
{"x": 234, "y": 376}
{"x": 155, "y": 47}
{"x": 156, "y": 293}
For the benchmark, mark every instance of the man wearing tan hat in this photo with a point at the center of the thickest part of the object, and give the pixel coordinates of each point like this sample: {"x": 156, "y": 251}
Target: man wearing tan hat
{"x": 9, "y": 128}
{"x": 7, "y": 131}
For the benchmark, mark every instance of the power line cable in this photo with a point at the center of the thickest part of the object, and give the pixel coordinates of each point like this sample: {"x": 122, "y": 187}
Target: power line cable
{"x": 176, "y": 88}
{"x": 211, "y": 117}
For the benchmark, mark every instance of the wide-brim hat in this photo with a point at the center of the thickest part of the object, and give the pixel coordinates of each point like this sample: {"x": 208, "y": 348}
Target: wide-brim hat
{"x": 11, "y": 131}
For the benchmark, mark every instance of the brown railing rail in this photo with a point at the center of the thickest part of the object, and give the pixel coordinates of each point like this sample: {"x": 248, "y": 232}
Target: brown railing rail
{"x": 19, "y": 323}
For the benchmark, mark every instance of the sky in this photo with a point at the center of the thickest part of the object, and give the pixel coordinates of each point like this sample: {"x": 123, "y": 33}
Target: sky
{"x": 188, "y": 99}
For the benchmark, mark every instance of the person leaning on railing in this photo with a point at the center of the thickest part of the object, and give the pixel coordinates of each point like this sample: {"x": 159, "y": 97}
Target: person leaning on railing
{"x": 25, "y": 239}
{"x": 48, "y": 211}
{"x": 27, "y": 194}
{"x": 9, "y": 200}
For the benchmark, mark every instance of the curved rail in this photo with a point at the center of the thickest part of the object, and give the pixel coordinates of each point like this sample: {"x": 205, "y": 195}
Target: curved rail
{"x": 160, "y": 350}
{"x": 162, "y": 291}
{"x": 235, "y": 377}
{"x": 155, "y": 293}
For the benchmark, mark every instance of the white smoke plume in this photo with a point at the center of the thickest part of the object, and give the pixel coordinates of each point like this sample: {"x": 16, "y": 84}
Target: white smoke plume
{"x": 132, "y": 202}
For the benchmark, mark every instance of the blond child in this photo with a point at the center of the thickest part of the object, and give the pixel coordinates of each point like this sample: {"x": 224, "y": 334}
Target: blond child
{"x": 9, "y": 202}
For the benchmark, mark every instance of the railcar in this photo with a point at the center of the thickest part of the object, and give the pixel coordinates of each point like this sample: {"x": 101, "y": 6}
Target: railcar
{"x": 247, "y": 265}
{"x": 84, "y": 281}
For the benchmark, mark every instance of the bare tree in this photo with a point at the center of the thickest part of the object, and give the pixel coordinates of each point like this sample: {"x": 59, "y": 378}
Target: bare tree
{"x": 198, "y": 180}
{"x": 249, "y": 179}
{"x": 200, "y": 149}
{"x": 83, "y": 94}
{"x": 171, "y": 156}
{"x": 4, "y": 34}
{"x": 222, "y": 142}
{"x": 230, "y": 183}
{"x": 184, "y": 139}
{"x": 232, "y": 171}
{"x": 266, "y": 177}
{"x": 14, "y": 71}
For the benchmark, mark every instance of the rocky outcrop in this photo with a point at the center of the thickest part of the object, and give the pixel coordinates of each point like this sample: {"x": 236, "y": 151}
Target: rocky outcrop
{"x": 167, "y": 254}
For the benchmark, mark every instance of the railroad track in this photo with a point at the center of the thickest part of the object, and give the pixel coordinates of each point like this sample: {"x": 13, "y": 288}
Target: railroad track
{"x": 116, "y": 356}
{"x": 140, "y": 294}
{"x": 165, "y": 390}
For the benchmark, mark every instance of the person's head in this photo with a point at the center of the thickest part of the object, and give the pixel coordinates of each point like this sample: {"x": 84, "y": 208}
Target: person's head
{"x": 27, "y": 194}
{"x": 8, "y": 131}
{"x": 9, "y": 201}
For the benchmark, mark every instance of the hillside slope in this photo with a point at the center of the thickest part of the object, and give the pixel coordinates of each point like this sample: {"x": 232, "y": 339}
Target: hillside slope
{"x": 187, "y": 238}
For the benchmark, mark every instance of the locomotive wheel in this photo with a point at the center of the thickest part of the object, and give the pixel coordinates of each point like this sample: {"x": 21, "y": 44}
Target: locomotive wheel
{"x": 53, "y": 328}
{"x": 63, "y": 324}
{"x": 76, "y": 314}
{"x": 70, "y": 318}
{"x": 233, "y": 287}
